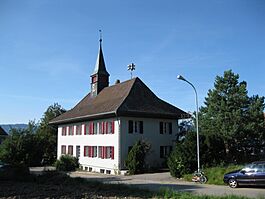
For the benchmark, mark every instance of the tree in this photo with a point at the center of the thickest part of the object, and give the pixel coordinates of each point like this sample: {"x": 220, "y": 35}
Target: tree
{"x": 47, "y": 134}
{"x": 135, "y": 161}
{"x": 231, "y": 115}
{"x": 35, "y": 145}
{"x": 21, "y": 148}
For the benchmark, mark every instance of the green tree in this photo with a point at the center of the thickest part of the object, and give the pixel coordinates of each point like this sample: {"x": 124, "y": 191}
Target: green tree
{"x": 35, "y": 145}
{"x": 232, "y": 115}
{"x": 135, "y": 161}
{"x": 47, "y": 134}
{"x": 21, "y": 148}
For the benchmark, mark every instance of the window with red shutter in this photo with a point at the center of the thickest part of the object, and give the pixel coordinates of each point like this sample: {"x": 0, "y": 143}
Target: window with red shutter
{"x": 90, "y": 128}
{"x": 107, "y": 129}
{"x": 103, "y": 127}
{"x": 113, "y": 128}
{"x": 92, "y": 151}
{"x": 112, "y": 152}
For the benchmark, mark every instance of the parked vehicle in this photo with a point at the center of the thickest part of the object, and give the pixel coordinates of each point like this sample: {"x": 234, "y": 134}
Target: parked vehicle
{"x": 251, "y": 174}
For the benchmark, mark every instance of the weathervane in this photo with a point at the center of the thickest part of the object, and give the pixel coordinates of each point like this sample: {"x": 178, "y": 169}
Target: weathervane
{"x": 100, "y": 36}
{"x": 131, "y": 67}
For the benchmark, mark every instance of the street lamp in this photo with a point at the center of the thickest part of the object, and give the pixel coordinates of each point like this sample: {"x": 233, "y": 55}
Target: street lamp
{"x": 197, "y": 121}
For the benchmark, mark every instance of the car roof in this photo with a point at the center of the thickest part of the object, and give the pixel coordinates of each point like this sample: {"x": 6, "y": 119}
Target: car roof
{"x": 259, "y": 162}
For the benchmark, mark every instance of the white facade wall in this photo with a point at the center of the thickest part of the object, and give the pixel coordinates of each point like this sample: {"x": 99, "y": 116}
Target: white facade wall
{"x": 82, "y": 140}
{"x": 121, "y": 140}
{"x": 151, "y": 134}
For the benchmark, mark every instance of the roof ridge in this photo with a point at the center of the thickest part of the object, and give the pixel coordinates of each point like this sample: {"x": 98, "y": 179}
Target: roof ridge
{"x": 130, "y": 90}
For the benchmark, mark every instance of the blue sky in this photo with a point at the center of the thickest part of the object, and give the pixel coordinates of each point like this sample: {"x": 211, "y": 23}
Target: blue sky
{"x": 48, "y": 49}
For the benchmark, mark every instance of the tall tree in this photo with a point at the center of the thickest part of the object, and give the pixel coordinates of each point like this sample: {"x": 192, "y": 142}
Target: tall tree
{"x": 47, "y": 134}
{"x": 232, "y": 115}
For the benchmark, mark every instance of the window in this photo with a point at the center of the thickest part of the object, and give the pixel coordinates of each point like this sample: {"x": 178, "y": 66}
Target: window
{"x": 86, "y": 151}
{"x": 63, "y": 149}
{"x": 135, "y": 126}
{"x": 165, "y": 151}
{"x": 165, "y": 127}
{"x": 70, "y": 150}
{"x": 95, "y": 128}
{"x": 94, "y": 79}
{"x": 103, "y": 127}
{"x": 71, "y": 130}
{"x": 77, "y": 151}
{"x": 130, "y": 126}
{"x": 86, "y": 131}
{"x": 106, "y": 152}
{"x": 78, "y": 130}
{"x": 90, "y": 151}
{"x": 64, "y": 131}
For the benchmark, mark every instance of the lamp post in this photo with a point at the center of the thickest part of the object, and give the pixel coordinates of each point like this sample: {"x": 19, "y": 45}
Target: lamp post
{"x": 197, "y": 121}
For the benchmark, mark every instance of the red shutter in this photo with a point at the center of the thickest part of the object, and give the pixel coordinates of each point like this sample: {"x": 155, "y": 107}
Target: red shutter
{"x": 103, "y": 152}
{"x": 92, "y": 132}
{"x": 84, "y": 151}
{"x": 112, "y": 152}
{"x": 103, "y": 127}
{"x": 112, "y": 127}
{"x": 90, "y": 128}
{"x": 107, "y": 124}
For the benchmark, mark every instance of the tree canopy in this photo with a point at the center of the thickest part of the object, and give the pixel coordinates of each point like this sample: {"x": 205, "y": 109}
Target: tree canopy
{"x": 234, "y": 116}
{"x": 34, "y": 146}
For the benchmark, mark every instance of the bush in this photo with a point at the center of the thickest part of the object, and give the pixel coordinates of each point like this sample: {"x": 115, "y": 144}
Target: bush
{"x": 15, "y": 173}
{"x": 67, "y": 163}
{"x": 175, "y": 164}
{"x": 135, "y": 161}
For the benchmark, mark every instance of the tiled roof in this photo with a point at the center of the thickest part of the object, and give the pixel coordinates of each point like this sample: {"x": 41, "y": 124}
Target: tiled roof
{"x": 129, "y": 98}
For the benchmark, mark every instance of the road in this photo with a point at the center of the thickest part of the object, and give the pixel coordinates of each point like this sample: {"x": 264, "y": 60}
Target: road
{"x": 157, "y": 181}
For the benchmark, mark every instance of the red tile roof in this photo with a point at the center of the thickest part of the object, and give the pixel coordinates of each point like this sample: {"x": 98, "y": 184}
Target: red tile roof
{"x": 129, "y": 98}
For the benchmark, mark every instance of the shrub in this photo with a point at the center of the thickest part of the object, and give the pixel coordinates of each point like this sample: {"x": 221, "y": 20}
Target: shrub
{"x": 136, "y": 158}
{"x": 175, "y": 164}
{"x": 67, "y": 163}
{"x": 15, "y": 173}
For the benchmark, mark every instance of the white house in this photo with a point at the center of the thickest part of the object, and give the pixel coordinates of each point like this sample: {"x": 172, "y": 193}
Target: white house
{"x": 104, "y": 125}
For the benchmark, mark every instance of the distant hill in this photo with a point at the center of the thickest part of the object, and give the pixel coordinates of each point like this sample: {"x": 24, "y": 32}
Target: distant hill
{"x": 7, "y": 127}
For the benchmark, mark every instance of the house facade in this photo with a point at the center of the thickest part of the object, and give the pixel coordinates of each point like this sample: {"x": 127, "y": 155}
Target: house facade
{"x": 101, "y": 129}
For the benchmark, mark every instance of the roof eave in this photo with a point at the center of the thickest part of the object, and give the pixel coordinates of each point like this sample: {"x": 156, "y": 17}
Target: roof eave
{"x": 85, "y": 117}
{"x": 150, "y": 115}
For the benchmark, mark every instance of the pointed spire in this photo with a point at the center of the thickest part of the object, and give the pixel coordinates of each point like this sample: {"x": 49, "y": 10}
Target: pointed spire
{"x": 100, "y": 67}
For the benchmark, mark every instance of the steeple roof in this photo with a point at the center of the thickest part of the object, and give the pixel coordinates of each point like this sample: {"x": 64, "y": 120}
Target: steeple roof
{"x": 100, "y": 67}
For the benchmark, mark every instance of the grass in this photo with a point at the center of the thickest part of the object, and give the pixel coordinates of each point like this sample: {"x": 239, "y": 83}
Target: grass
{"x": 215, "y": 174}
{"x": 54, "y": 184}
{"x": 167, "y": 193}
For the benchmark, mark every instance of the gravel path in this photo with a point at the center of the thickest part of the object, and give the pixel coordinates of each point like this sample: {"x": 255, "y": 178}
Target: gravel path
{"x": 157, "y": 181}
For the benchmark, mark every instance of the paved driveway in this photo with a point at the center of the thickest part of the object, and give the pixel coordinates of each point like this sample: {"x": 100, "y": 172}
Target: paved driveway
{"x": 157, "y": 181}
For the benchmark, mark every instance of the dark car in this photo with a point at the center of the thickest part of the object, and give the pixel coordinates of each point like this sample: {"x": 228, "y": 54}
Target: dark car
{"x": 251, "y": 174}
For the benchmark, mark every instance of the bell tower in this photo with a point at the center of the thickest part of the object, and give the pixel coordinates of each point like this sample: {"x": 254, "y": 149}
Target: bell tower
{"x": 100, "y": 76}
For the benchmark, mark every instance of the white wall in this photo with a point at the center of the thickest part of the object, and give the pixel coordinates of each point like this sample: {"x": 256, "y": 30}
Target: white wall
{"x": 121, "y": 137}
{"x": 91, "y": 140}
{"x": 151, "y": 134}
